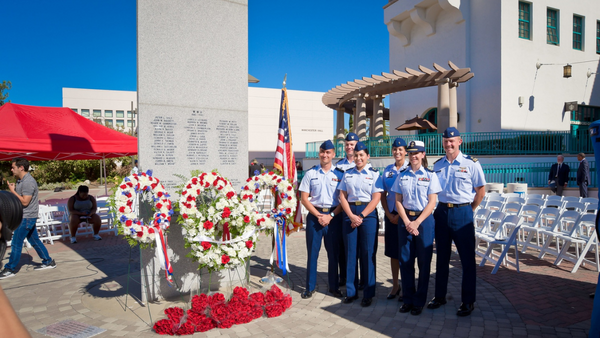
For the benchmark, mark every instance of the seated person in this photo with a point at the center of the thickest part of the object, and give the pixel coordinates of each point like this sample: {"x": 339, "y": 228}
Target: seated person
{"x": 82, "y": 207}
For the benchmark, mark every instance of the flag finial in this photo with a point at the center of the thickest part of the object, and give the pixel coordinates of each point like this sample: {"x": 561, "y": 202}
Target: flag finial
{"x": 284, "y": 78}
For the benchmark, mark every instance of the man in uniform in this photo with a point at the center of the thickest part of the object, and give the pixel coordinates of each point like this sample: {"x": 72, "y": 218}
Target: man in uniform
{"x": 463, "y": 188}
{"x": 324, "y": 220}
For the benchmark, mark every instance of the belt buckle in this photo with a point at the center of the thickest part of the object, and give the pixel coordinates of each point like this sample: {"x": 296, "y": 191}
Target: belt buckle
{"x": 412, "y": 213}
{"x": 358, "y": 203}
{"x": 450, "y": 205}
{"x": 325, "y": 209}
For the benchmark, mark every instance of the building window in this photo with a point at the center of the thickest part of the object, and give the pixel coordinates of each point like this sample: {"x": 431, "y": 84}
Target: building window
{"x": 130, "y": 123}
{"x": 108, "y": 113}
{"x": 120, "y": 123}
{"x": 129, "y": 114}
{"x": 108, "y": 123}
{"x": 85, "y": 112}
{"x": 598, "y": 37}
{"x": 75, "y": 109}
{"x": 577, "y": 32}
{"x": 97, "y": 113}
{"x": 120, "y": 113}
{"x": 552, "y": 27}
{"x": 524, "y": 20}
{"x": 99, "y": 121}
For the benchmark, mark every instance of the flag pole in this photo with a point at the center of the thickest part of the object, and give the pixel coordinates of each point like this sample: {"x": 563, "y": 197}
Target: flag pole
{"x": 275, "y": 199}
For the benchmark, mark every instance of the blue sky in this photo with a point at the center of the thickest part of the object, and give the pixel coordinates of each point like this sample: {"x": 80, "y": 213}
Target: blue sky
{"x": 48, "y": 45}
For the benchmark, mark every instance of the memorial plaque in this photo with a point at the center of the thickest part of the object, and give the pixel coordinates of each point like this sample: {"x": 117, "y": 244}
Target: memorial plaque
{"x": 193, "y": 107}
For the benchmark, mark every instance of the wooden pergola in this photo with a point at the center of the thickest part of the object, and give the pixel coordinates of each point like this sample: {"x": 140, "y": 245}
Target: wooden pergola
{"x": 375, "y": 88}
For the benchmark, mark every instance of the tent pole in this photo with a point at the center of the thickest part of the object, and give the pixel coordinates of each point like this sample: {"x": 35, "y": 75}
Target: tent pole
{"x": 105, "y": 183}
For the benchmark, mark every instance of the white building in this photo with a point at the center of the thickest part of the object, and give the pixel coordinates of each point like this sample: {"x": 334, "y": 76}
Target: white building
{"x": 311, "y": 121}
{"x": 502, "y": 41}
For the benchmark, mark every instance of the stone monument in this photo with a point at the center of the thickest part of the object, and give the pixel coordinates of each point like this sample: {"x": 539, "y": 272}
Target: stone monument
{"x": 193, "y": 107}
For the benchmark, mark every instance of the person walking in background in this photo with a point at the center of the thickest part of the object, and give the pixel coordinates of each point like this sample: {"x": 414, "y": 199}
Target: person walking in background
{"x": 463, "y": 188}
{"x": 26, "y": 190}
{"x": 388, "y": 202}
{"x": 583, "y": 175}
{"x": 416, "y": 192}
{"x": 558, "y": 179}
{"x": 324, "y": 220}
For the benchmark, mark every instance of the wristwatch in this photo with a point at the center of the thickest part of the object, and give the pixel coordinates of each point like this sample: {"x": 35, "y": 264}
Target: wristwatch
{"x": 361, "y": 215}
{"x": 332, "y": 214}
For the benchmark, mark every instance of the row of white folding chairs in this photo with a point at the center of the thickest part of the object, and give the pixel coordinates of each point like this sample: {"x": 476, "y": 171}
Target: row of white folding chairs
{"x": 496, "y": 229}
{"x": 513, "y": 207}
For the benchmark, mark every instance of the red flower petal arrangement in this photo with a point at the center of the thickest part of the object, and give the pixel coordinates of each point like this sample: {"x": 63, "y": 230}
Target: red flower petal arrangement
{"x": 208, "y": 312}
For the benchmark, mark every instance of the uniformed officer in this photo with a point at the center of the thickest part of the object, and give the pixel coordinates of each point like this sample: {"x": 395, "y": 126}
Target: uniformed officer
{"x": 388, "y": 202}
{"x": 361, "y": 189}
{"x": 463, "y": 188}
{"x": 324, "y": 220}
{"x": 349, "y": 144}
{"x": 416, "y": 195}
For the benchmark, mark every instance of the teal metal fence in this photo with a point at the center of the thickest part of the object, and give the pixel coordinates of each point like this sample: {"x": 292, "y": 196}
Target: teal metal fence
{"x": 534, "y": 174}
{"x": 476, "y": 144}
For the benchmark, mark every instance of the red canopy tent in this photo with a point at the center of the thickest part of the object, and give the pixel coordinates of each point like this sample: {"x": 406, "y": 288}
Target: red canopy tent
{"x": 44, "y": 133}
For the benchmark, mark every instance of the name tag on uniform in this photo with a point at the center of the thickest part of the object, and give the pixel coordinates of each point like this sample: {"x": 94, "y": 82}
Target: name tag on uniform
{"x": 426, "y": 179}
{"x": 390, "y": 174}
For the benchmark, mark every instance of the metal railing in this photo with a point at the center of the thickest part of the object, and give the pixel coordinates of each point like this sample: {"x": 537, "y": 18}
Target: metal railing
{"x": 534, "y": 174}
{"x": 484, "y": 143}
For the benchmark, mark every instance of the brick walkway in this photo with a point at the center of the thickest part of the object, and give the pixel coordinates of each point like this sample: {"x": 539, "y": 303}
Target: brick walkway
{"x": 89, "y": 284}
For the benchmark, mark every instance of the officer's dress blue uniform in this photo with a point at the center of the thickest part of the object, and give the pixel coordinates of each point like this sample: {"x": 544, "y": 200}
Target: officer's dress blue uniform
{"x": 360, "y": 185}
{"x": 415, "y": 188}
{"x": 454, "y": 222}
{"x": 322, "y": 188}
{"x": 390, "y": 174}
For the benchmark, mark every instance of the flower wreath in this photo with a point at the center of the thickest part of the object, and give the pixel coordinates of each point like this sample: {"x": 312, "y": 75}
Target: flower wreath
{"x": 220, "y": 231}
{"x": 283, "y": 190}
{"x": 133, "y": 228}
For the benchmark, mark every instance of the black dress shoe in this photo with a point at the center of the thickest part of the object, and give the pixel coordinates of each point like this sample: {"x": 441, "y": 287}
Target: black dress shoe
{"x": 416, "y": 310}
{"x": 307, "y": 294}
{"x": 400, "y": 297}
{"x": 465, "y": 309}
{"x": 366, "y": 302}
{"x": 348, "y": 300}
{"x": 361, "y": 286}
{"x": 393, "y": 295}
{"x": 336, "y": 293}
{"x": 406, "y": 308}
{"x": 436, "y": 302}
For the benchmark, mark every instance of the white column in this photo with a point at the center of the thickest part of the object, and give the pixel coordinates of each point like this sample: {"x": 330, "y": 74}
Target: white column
{"x": 443, "y": 111}
{"x": 377, "y": 125}
{"x": 340, "y": 125}
{"x": 361, "y": 113}
{"x": 453, "y": 109}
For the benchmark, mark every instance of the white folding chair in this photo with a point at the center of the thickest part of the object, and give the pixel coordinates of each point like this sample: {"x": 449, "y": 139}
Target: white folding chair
{"x": 489, "y": 228}
{"x": 57, "y": 221}
{"x": 553, "y": 204}
{"x": 563, "y": 226}
{"x": 540, "y": 196}
{"x": 504, "y": 238}
{"x": 554, "y": 198}
{"x": 510, "y": 194}
{"x": 512, "y": 208}
{"x": 528, "y": 215}
{"x": 494, "y": 196}
{"x": 589, "y": 200}
{"x": 511, "y": 199}
{"x": 480, "y": 217}
{"x": 571, "y": 199}
{"x": 106, "y": 216}
{"x": 535, "y": 201}
{"x": 42, "y": 228}
{"x": 584, "y": 235}
{"x": 545, "y": 220}
{"x": 579, "y": 207}
{"x": 591, "y": 208}
{"x": 494, "y": 205}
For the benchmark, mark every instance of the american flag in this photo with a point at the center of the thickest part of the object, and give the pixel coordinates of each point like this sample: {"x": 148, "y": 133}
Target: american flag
{"x": 285, "y": 161}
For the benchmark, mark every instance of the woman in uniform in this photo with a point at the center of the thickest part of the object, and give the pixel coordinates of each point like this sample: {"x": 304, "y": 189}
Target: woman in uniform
{"x": 360, "y": 192}
{"x": 388, "y": 202}
{"x": 416, "y": 194}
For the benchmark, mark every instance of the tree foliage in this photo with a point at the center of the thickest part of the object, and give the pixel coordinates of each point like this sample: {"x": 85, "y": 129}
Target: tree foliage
{"x": 5, "y": 86}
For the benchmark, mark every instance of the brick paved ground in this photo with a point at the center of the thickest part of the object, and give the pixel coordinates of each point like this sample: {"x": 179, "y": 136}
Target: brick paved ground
{"x": 89, "y": 286}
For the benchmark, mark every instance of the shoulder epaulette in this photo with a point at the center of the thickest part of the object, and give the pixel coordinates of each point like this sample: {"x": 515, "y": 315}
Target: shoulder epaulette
{"x": 468, "y": 157}
{"x": 431, "y": 171}
{"x": 313, "y": 167}
{"x": 338, "y": 169}
{"x": 403, "y": 170}
{"x": 373, "y": 169}
{"x": 438, "y": 160}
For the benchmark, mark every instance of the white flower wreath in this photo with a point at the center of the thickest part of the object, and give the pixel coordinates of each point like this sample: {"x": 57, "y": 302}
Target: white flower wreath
{"x": 220, "y": 230}
{"x": 281, "y": 187}
{"x": 134, "y": 229}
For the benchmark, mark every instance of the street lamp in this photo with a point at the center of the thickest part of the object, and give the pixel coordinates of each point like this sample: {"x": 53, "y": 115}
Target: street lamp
{"x": 567, "y": 71}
